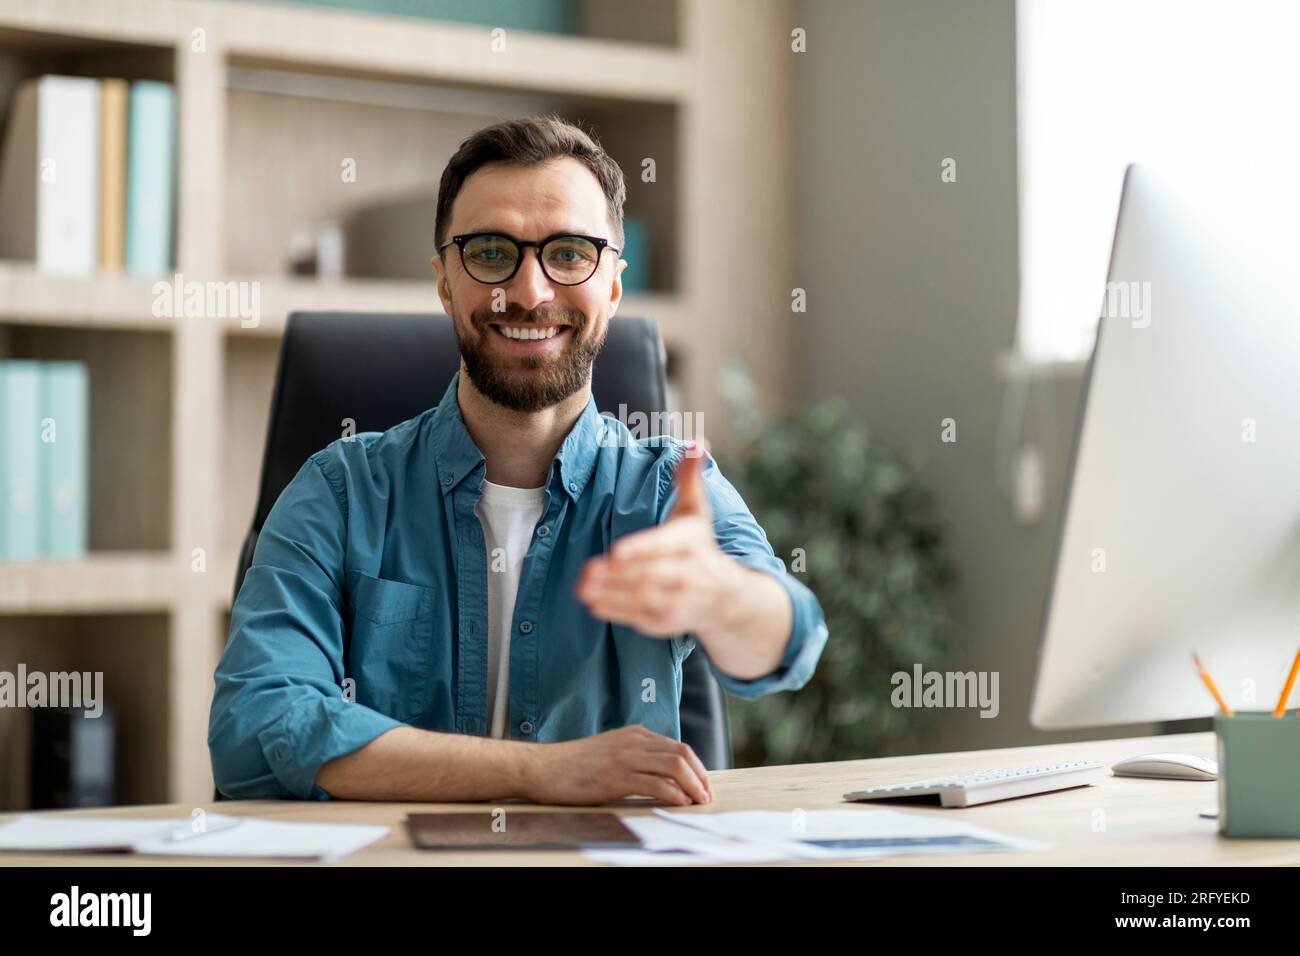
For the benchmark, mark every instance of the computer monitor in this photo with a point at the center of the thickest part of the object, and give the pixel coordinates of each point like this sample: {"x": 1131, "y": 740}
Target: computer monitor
{"x": 1181, "y": 529}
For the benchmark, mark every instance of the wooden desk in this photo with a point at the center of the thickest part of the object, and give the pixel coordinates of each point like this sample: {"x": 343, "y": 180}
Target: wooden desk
{"x": 1118, "y": 821}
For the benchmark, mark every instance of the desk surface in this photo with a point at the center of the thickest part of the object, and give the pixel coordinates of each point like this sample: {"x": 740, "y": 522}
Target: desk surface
{"x": 1117, "y": 821}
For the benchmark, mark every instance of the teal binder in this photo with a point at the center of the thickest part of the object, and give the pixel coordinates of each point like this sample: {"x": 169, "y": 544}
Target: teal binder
{"x": 150, "y": 177}
{"x": 64, "y": 436}
{"x": 544, "y": 16}
{"x": 20, "y": 454}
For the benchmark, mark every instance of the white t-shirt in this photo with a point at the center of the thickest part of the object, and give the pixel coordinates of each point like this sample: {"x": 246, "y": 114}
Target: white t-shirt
{"x": 509, "y": 516}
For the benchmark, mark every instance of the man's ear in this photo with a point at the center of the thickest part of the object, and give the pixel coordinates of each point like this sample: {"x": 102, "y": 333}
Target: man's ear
{"x": 616, "y": 287}
{"x": 444, "y": 287}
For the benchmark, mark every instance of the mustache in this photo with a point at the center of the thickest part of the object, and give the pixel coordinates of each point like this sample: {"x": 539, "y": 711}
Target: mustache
{"x": 545, "y": 316}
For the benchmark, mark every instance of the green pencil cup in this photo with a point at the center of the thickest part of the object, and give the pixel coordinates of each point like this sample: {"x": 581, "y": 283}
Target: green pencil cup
{"x": 1259, "y": 774}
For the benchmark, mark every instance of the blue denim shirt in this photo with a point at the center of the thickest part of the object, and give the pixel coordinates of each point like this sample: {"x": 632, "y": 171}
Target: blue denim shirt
{"x": 372, "y": 566}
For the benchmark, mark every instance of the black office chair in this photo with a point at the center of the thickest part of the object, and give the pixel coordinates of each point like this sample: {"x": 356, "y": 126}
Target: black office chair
{"x": 381, "y": 369}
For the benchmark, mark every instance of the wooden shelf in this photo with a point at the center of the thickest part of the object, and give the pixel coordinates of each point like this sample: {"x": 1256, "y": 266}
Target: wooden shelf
{"x": 109, "y": 582}
{"x": 367, "y": 45}
{"x": 31, "y": 297}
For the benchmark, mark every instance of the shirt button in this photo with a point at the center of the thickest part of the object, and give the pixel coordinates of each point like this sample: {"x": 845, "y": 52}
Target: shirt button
{"x": 526, "y": 627}
{"x": 526, "y": 728}
{"x": 573, "y": 486}
{"x": 446, "y": 479}
{"x": 543, "y": 531}
{"x": 281, "y": 752}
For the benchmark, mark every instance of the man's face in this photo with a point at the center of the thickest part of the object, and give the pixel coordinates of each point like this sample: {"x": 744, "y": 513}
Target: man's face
{"x": 530, "y": 203}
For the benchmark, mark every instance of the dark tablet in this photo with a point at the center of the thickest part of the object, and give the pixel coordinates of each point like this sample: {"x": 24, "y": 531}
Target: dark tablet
{"x": 519, "y": 830}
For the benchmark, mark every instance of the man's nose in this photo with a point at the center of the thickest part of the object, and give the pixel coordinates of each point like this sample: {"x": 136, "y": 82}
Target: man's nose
{"x": 530, "y": 287}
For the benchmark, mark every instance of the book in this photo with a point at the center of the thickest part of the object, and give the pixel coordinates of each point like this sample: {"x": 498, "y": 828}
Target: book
{"x": 49, "y": 175}
{"x": 20, "y": 455}
{"x": 542, "y": 16}
{"x": 150, "y": 177}
{"x": 63, "y": 468}
{"x": 112, "y": 173}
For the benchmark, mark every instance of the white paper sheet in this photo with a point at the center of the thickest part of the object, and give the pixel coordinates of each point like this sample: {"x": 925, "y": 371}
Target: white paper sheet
{"x": 260, "y": 839}
{"x": 248, "y": 837}
{"x": 667, "y": 843}
{"x": 57, "y": 832}
{"x": 751, "y": 836}
{"x": 847, "y": 832}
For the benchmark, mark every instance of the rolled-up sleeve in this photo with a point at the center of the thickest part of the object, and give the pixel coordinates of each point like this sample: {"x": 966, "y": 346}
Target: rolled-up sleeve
{"x": 741, "y": 536}
{"x": 279, "y": 712}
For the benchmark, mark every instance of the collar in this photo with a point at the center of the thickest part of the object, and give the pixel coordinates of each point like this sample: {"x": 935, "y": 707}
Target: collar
{"x": 457, "y": 455}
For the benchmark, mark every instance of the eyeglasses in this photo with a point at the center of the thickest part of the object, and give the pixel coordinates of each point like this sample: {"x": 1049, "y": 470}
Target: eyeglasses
{"x": 493, "y": 259}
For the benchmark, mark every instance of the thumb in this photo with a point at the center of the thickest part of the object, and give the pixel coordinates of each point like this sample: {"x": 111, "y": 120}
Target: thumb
{"x": 692, "y": 498}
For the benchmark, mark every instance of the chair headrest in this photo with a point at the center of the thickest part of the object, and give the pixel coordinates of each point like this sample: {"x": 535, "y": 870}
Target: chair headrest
{"x": 378, "y": 370}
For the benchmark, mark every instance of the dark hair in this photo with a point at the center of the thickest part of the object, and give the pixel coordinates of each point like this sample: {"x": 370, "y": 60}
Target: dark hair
{"x": 529, "y": 141}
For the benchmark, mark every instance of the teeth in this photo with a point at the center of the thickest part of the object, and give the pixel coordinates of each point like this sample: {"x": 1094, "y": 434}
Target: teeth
{"x": 530, "y": 333}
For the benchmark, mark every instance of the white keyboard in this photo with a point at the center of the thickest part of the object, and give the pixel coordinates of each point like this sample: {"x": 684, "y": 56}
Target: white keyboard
{"x": 969, "y": 789}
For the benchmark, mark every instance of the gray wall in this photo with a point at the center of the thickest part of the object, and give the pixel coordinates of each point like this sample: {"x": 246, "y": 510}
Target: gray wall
{"x": 917, "y": 298}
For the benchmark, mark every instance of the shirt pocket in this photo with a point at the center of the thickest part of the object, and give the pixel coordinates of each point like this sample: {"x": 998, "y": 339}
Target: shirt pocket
{"x": 390, "y": 654}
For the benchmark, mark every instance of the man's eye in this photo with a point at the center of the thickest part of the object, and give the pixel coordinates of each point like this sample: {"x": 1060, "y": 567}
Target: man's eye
{"x": 568, "y": 255}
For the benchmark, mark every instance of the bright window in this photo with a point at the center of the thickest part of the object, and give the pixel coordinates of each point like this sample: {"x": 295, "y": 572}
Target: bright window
{"x": 1102, "y": 83}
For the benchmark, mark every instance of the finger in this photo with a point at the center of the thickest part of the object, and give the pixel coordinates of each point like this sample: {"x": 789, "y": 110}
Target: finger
{"x": 675, "y": 765}
{"x": 600, "y": 579}
{"x": 650, "y": 619}
{"x": 700, "y": 770}
{"x": 692, "y": 498}
{"x": 623, "y": 606}
{"x": 658, "y": 576}
{"x": 594, "y": 571}
{"x": 661, "y": 788}
{"x": 665, "y": 744}
{"x": 665, "y": 538}
{"x": 633, "y": 592}
{"x": 591, "y": 579}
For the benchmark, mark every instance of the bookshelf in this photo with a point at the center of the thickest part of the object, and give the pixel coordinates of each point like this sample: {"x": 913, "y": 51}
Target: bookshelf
{"x": 265, "y": 111}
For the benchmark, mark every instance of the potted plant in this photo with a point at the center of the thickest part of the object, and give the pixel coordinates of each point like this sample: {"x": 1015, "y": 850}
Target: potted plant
{"x": 851, "y": 520}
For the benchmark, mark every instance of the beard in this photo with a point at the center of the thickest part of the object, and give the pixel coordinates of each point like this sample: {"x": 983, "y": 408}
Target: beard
{"x": 528, "y": 383}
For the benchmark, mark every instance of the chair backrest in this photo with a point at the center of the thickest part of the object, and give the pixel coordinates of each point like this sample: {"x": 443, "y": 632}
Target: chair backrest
{"x": 381, "y": 369}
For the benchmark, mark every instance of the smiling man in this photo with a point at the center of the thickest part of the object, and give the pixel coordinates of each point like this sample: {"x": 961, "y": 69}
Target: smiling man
{"x": 494, "y": 598}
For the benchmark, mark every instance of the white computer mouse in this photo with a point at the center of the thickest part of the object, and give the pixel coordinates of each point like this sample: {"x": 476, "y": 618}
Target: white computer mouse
{"x": 1167, "y": 767}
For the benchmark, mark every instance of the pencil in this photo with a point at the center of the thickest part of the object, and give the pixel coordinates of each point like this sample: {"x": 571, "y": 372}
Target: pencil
{"x": 1280, "y": 709}
{"x": 1209, "y": 682}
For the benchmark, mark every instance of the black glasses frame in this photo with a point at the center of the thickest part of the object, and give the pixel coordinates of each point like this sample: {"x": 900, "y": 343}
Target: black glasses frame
{"x": 459, "y": 242}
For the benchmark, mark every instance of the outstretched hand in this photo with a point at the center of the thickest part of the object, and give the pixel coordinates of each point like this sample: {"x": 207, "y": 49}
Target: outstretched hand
{"x": 668, "y": 579}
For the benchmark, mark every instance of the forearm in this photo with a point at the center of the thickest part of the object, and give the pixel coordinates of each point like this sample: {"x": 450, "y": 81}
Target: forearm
{"x": 406, "y": 763}
{"x": 749, "y": 635}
